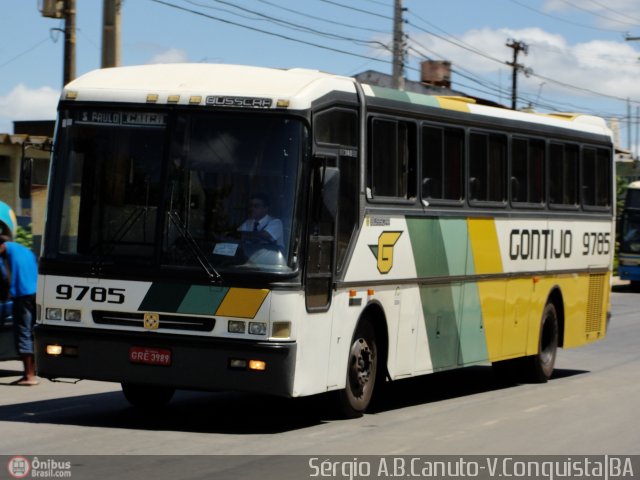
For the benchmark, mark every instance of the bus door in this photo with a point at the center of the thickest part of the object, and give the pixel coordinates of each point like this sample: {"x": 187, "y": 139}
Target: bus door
{"x": 321, "y": 240}
{"x": 334, "y": 191}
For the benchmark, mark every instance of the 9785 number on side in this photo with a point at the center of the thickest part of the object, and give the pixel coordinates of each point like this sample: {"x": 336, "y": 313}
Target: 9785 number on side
{"x": 96, "y": 294}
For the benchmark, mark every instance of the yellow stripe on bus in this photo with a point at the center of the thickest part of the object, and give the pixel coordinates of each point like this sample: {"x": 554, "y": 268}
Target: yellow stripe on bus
{"x": 242, "y": 302}
{"x": 484, "y": 244}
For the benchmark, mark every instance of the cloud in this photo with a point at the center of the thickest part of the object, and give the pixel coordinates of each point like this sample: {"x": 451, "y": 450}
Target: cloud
{"x": 24, "y": 103}
{"x": 608, "y": 67}
{"x": 172, "y": 55}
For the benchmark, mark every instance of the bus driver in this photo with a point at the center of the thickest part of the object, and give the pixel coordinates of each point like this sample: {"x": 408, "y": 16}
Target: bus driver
{"x": 263, "y": 228}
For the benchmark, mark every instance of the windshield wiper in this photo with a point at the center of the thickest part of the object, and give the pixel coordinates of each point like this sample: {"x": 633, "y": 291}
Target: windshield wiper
{"x": 128, "y": 224}
{"x": 211, "y": 272}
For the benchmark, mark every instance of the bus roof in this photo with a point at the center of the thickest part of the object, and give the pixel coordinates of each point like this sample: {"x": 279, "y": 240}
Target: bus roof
{"x": 188, "y": 83}
{"x": 196, "y": 84}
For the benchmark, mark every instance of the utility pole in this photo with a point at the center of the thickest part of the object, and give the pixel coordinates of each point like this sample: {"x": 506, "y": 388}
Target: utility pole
{"x": 69, "y": 69}
{"x": 397, "y": 78}
{"x": 111, "y": 33}
{"x": 517, "y": 48}
{"x": 629, "y": 38}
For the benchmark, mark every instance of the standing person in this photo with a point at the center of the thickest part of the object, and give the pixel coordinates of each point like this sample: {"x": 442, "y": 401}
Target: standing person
{"x": 22, "y": 270}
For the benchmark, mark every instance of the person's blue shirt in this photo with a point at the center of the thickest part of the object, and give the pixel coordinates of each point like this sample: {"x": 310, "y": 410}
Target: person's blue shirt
{"x": 23, "y": 268}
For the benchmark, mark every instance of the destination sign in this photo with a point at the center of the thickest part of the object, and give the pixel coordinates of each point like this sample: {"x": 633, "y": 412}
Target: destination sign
{"x": 243, "y": 102}
{"x": 124, "y": 119}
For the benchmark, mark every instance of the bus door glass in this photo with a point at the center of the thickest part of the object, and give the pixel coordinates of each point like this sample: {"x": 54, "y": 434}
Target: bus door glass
{"x": 334, "y": 201}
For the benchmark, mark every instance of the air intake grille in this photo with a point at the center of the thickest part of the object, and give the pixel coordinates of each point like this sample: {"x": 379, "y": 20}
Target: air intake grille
{"x": 594, "y": 304}
{"x": 167, "y": 322}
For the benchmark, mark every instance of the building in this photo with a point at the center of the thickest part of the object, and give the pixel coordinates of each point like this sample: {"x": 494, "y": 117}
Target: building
{"x": 33, "y": 140}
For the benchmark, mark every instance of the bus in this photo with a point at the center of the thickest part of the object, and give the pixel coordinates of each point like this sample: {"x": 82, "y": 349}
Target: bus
{"x": 629, "y": 253}
{"x": 416, "y": 234}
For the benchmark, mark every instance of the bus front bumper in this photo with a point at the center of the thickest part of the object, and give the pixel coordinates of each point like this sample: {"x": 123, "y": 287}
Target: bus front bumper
{"x": 193, "y": 363}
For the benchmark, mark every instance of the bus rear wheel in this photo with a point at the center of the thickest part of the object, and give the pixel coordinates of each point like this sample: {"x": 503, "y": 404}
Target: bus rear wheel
{"x": 147, "y": 397}
{"x": 362, "y": 369}
{"x": 539, "y": 367}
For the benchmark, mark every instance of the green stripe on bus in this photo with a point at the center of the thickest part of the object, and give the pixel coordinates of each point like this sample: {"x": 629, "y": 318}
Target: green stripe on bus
{"x": 402, "y": 96}
{"x": 473, "y": 343}
{"x": 164, "y": 297}
{"x": 389, "y": 93}
{"x": 455, "y": 238}
{"x": 442, "y": 327}
{"x": 427, "y": 244}
{"x": 452, "y": 313}
{"x": 202, "y": 300}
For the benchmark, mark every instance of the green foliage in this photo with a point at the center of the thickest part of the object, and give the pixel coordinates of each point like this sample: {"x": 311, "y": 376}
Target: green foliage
{"x": 24, "y": 236}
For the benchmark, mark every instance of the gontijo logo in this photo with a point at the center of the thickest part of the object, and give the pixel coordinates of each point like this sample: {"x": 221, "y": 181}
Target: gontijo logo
{"x": 383, "y": 251}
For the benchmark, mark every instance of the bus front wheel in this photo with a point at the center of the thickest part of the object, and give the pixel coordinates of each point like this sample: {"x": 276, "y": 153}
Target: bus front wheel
{"x": 147, "y": 396}
{"x": 362, "y": 369}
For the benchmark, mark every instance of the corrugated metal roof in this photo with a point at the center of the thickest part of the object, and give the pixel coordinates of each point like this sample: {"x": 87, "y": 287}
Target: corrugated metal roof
{"x": 19, "y": 139}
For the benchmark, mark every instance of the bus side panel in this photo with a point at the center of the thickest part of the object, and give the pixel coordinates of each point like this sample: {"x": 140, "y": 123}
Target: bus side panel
{"x": 313, "y": 335}
{"x": 586, "y": 314}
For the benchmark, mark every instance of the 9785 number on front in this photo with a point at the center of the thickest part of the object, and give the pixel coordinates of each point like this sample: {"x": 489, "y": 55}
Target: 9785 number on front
{"x": 96, "y": 294}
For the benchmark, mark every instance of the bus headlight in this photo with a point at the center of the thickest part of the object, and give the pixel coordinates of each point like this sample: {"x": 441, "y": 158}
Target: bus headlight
{"x": 72, "y": 315}
{"x": 256, "y": 328}
{"x": 236, "y": 326}
{"x": 53, "y": 314}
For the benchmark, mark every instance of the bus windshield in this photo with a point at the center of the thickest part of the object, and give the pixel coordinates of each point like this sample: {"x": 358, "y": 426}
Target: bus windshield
{"x": 154, "y": 188}
{"x": 630, "y": 237}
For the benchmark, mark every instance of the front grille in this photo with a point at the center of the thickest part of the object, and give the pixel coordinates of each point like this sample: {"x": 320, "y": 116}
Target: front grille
{"x": 594, "y": 304}
{"x": 167, "y": 322}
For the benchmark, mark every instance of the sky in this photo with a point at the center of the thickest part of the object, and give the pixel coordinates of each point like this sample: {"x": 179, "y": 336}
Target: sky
{"x": 578, "y": 58}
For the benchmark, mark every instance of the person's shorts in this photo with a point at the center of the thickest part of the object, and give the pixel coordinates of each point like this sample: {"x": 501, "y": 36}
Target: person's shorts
{"x": 24, "y": 309}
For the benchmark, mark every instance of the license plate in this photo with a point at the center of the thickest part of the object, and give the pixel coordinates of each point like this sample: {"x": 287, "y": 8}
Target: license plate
{"x": 150, "y": 356}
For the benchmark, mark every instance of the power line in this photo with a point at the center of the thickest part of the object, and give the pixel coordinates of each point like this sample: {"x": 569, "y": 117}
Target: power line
{"x": 266, "y": 32}
{"x": 459, "y": 44}
{"x": 31, "y": 48}
{"x": 606, "y": 7}
{"x": 357, "y": 9}
{"x": 380, "y": 3}
{"x": 322, "y": 19}
{"x": 287, "y": 24}
{"x": 591, "y": 12}
{"x": 564, "y": 19}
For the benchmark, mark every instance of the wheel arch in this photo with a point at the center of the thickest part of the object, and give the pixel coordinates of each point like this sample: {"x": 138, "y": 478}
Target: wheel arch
{"x": 555, "y": 297}
{"x": 374, "y": 313}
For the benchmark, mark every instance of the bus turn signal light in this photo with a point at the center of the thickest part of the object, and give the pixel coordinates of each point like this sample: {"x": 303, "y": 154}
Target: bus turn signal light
{"x": 54, "y": 350}
{"x": 257, "y": 365}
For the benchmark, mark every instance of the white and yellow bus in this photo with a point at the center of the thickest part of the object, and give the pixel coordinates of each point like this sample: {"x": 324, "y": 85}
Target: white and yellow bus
{"x": 417, "y": 234}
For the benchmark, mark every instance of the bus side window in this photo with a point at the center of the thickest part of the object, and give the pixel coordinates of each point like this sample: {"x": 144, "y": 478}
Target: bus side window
{"x": 596, "y": 177}
{"x": 563, "y": 175}
{"x": 392, "y": 161}
{"x": 442, "y": 163}
{"x": 527, "y": 171}
{"x": 487, "y": 167}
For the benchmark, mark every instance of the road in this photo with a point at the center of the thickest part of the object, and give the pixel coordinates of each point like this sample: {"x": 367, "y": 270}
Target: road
{"x": 590, "y": 406}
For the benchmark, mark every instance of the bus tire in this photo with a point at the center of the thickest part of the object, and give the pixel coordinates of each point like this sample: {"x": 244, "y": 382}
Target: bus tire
{"x": 538, "y": 368}
{"x": 362, "y": 370}
{"x": 148, "y": 397}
